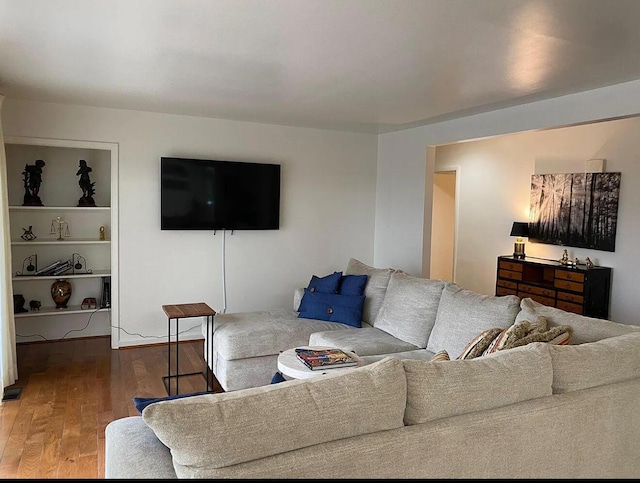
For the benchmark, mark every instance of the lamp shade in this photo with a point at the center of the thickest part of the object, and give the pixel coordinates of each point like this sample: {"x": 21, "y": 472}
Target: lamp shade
{"x": 520, "y": 229}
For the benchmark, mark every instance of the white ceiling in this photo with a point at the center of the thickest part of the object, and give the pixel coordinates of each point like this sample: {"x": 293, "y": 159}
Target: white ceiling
{"x": 362, "y": 65}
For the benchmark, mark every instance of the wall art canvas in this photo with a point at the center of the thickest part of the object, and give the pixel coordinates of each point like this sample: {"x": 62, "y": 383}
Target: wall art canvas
{"x": 577, "y": 210}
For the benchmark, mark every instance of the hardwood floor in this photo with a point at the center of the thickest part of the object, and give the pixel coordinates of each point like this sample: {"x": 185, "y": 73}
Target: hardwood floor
{"x": 70, "y": 391}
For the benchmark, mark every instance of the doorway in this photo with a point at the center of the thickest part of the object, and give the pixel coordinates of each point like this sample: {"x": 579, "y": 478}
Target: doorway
{"x": 443, "y": 225}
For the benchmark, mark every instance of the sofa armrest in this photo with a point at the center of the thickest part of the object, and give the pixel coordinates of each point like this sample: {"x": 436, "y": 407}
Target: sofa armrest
{"x": 297, "y": 298}
{"x": 132, "y": 450}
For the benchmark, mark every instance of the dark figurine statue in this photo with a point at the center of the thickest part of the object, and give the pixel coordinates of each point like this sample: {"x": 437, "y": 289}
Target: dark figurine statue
{"x": 18, "y": 304}
{"x": 32, "y": 177}
{"x": 85, "y": 185}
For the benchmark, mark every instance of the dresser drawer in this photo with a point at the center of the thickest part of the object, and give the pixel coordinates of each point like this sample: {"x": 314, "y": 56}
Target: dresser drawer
{"x": 516, "y": 267}
{"x": 572, "y": 276}
{"x": 538, "y": 298}
{"x": 570, "y": 297}
{"x": 507, "y": 284}
{"x": 567, "y": 285}
{"x": 511, "y": 275}
{"x": 530, "y": 289}
{"x": 569, "y": 307}
{"x": 505, "y": 291}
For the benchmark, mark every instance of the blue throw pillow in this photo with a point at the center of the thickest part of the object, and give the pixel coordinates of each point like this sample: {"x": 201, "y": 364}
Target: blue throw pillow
{"x": 327, "y": 284}
{"x": 277, "y": 377}
{"x": 143, "y": 402}
{"x": 352, "y": 284}
{"x": 344, "y": 309}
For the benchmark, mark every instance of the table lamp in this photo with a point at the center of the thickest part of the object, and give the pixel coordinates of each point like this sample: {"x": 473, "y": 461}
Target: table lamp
{"x": 519, "y": 229}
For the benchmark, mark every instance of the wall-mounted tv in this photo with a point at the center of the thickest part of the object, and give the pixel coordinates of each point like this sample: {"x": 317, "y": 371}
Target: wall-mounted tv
{"x": 199, "y": 194}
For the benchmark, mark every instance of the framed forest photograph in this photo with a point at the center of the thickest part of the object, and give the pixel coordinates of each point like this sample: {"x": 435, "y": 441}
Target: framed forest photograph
{"x": 577, "y": 210}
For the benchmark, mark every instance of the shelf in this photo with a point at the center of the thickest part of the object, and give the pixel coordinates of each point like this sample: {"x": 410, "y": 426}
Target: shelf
{"x": 84, "y": 222}
{"x": 94, "y": 274}
{"x": 49, "y": 311}
{"x": 59, "y": 208}
{"x": 68, "y": 241}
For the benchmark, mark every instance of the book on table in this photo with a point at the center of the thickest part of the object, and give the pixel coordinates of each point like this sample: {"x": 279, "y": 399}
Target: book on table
{"x": 320, "y": 359}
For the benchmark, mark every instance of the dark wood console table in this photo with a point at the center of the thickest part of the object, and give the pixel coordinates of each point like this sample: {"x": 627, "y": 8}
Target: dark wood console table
{"x": 183, "y": 311}
{"x": 549, "y": 282}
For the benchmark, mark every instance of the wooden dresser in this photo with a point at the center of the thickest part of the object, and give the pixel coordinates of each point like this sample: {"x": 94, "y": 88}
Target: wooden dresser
{"x": 570, "y": 288}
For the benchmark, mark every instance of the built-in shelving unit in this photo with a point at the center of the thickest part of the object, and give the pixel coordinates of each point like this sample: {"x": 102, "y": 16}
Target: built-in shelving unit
{"x": 60, "y": 194}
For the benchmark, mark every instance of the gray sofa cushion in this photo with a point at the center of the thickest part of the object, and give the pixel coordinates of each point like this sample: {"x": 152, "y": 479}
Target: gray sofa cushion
{"x": 593, "y": 364}
{"x": 209, "y": 432}
{"x": 417, "y": 354}
{"x": 374, "y": 290}
{"x": 364, "y": 342}
{"x": 438, "y": 390}
{"x": 463, "y": 314}
{"x": 585, "y": 329}
{"x": 409, "y": 308}
{"x": 263, "y": 333}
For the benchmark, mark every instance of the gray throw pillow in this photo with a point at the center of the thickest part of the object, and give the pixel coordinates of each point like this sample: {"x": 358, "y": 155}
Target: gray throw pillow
{"x": 409, "y": 308}
{"x": 463, "y": 314}
{"x": 374, "y": 290}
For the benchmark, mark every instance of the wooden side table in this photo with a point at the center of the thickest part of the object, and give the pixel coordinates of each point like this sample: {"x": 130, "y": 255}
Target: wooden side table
{"x": 183, "y": 311}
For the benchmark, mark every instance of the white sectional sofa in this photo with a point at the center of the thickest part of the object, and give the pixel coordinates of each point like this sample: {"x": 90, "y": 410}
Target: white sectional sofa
{"x": 536, "y": 411}
{"x": 398, "y": 316}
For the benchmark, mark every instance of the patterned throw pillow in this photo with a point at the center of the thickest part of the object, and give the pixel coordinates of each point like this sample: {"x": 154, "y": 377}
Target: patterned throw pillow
{"x": 479, "y": 344}
{"x": 521, "y": 333}
{"x": 439, "y": 356}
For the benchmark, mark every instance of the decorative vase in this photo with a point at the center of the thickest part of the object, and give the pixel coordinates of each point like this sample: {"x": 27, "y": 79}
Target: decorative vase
{"x": 61, "y": 293}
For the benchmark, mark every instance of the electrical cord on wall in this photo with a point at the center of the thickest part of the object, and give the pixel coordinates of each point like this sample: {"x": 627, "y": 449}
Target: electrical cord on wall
{"x": 224, "y": 278}
{"x": 67, "y": 333}
{"x": 112, "y": 326}
{"x": 154, "y": 336}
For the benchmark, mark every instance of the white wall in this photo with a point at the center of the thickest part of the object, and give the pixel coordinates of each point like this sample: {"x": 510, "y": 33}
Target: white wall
{"x": 443, "y": 219}
{"x": 327, "y": 208}
{"x": 495, "y": 216}
{"x": 506, "y": 164}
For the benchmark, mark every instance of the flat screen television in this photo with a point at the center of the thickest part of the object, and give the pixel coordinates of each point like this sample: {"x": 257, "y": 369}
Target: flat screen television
{"x": 199, "y": 194}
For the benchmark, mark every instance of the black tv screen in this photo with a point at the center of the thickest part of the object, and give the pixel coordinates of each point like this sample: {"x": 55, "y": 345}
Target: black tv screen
{"x": 198, "y": 194}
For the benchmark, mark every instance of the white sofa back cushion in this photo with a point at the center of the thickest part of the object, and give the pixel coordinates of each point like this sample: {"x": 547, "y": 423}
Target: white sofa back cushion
{"x": 585, "y": 329}
{"x": 438, "y": 390}
{"x": 374, "y": 290}
{"x": 463, "y": 314}
{"x": 593, "y": 364}
{"x": 218, "y": 430}
{"x": 409, "y": 308}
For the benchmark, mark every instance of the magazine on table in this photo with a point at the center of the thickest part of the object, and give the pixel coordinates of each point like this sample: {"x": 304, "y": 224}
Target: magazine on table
{"x": 320, "y": 359}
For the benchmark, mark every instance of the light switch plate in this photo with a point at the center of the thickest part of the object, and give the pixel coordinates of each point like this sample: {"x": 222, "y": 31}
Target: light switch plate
{"x": 594, "y": 166}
